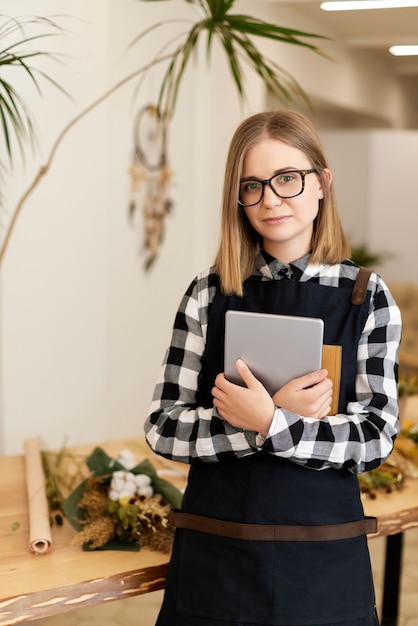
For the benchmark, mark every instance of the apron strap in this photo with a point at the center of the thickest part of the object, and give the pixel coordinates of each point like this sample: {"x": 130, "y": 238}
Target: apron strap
{"x": 360, "y": 286}
{"x": 272, "y": 532}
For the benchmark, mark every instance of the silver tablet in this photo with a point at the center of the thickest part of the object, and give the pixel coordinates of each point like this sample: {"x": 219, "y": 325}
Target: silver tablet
{"x": 276, "y": 348}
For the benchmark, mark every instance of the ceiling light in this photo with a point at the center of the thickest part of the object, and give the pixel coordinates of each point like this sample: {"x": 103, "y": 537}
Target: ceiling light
{"x": 353, "y": 5}
{"x": 404, "y": 51}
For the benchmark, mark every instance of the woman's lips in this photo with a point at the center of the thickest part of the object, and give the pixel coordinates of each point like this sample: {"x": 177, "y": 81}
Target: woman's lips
{"x": 280, "y": 219}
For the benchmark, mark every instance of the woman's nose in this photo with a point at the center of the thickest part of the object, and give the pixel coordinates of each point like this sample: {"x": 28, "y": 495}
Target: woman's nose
{"x": 270, "y": 198}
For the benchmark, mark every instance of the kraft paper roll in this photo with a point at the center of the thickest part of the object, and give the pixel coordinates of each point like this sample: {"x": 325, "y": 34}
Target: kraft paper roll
{"x": 40, "y": 541}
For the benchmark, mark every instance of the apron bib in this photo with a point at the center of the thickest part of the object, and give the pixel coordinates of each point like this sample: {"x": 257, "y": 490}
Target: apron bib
{"x": 216, "y": 579}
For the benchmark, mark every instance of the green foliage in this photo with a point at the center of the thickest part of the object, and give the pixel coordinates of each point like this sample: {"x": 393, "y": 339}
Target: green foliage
{"x": 385, "y": 477}
{"x": 362, "y": 255}
{"x": 17, "y": 54}
{"x": 58, "y": 481}
{"x": 125, "y": 519}
{"x": 412, "y": 434}
{"x": 407, "y": 386}
{"x": 235, "y": 33}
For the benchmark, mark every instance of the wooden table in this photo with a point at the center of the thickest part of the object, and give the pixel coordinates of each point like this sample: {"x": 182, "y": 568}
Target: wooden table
{"x": 396, "y": 513}
{"x": 36, "y": 586}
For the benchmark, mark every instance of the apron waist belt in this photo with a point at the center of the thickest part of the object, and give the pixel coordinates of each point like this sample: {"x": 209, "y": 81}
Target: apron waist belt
{"x": 271, "y": 532}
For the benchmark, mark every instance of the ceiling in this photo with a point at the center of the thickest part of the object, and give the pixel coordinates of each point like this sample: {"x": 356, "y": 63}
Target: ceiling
{"x": 372, "y": 30}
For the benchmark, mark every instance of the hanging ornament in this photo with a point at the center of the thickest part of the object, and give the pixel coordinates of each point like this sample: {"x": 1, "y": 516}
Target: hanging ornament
{"x": 150, "y": 179}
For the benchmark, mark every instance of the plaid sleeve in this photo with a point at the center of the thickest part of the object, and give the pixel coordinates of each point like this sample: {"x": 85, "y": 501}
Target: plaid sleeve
{"x": 361, "y": 439}
{"x": 176, "y": 428}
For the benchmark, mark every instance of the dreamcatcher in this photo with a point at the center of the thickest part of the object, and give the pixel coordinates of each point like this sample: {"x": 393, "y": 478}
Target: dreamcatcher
{"x": 150, "y": 179}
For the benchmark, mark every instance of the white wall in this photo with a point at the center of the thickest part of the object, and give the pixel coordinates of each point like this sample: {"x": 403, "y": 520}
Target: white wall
{"x": 83, "y": 328}
{"x": 349, "y": 155}
{"x": 350, "y": 80}
{"x": 394, "y": 205}
{"x": 377, "y": 187}
{"x": 53, "y": 276}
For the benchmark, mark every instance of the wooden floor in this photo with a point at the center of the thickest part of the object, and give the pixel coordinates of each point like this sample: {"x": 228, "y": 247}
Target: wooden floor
{"x": 143, "y": 610}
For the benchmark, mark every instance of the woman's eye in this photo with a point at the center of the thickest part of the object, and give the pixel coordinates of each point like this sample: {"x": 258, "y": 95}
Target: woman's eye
{"x": 285, "y": 178}
{"x": 252, "y": 185}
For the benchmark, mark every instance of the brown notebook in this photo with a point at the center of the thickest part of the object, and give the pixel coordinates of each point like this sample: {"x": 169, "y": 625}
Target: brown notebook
{"x": 331, "y": 360}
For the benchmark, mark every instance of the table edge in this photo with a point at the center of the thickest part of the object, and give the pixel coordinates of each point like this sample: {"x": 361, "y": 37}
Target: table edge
{"x": 40, "y": 604}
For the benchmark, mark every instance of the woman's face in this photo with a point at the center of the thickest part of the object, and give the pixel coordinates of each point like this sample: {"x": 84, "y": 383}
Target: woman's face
{"x": 284, "y": 224}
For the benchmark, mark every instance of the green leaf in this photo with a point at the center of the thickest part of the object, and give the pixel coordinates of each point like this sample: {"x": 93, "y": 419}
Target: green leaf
{"x": 254, "y": 26}
{"x": 116, "y": 544}
{"x": 233, "y": 61}
{"x": 187, "y": 51}
{"x": 73, "y": 512}
{"x": 166, "y": 489}
{"x": 101, "y": 464}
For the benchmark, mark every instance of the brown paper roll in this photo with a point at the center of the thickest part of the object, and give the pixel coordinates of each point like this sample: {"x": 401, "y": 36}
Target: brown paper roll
{"x": 40, "y": 540}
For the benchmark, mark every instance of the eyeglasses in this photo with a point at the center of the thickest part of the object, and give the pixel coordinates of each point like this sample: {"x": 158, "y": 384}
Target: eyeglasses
{"x": 285, "y": 185}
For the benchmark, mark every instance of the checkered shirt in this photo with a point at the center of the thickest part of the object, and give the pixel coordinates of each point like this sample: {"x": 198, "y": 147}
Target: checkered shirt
{"x": 359, "y": 439}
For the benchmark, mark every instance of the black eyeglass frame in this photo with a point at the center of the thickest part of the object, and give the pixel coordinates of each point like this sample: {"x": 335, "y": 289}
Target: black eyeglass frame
{"x": 302, "y": 173}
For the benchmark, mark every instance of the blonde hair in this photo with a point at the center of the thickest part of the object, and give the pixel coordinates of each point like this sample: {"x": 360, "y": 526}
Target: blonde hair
{"x": 239, "y": 241}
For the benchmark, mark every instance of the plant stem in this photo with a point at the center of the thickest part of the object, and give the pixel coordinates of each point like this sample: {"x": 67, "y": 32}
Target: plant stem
{"x": 43, "y": 170}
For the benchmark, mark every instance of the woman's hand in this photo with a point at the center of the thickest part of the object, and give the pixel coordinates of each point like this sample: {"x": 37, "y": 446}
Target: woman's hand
{"x": 250, "y": 407}
{"x": 309, "y": 395}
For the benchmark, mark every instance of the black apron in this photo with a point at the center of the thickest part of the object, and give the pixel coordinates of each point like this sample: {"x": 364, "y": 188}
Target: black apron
{"x": 217, "y": 580}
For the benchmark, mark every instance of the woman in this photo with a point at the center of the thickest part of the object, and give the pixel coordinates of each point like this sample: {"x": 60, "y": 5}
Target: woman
{"x": 272, "y": 529}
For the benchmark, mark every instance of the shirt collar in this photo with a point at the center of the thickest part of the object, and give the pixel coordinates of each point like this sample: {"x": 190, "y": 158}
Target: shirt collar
{"x": 274, "y": 269}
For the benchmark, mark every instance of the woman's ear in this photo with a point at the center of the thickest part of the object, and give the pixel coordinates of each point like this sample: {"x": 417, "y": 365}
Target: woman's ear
{"x": 325, "y": 180}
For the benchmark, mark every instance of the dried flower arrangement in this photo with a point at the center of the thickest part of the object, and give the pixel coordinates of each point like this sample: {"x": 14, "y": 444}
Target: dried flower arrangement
{"x": 402, "y": 464}
{"x": 118, "y": 506}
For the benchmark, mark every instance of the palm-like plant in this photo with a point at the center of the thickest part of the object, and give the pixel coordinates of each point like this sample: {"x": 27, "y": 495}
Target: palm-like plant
{"x": 235, "y": 33}
{"x": 16, "y": 125}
